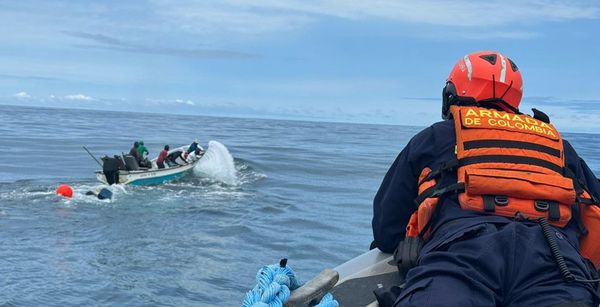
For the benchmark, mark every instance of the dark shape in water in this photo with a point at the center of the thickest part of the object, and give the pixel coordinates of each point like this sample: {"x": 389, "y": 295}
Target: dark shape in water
{"x": 103, "y": 194}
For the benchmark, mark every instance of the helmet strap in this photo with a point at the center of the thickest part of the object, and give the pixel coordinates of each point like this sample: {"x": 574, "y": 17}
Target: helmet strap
{"x": 509, "y": 86}
{"x": 500, "y": 100}
{"x": 497, "y": 103}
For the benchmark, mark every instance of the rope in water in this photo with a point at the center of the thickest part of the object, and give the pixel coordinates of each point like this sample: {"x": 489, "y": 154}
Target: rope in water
{"x": 274, "y": 285}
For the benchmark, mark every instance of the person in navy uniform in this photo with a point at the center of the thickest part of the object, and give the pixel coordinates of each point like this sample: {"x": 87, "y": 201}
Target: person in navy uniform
{"x": 478, "y": 258}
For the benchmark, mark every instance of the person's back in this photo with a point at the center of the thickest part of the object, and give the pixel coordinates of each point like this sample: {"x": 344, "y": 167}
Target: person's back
{"x": 192, "y": 147}
{"x": 487, "y": 180}
{"x": 134, "y": 152}
{"x": 142, "y": 149}
{"x": 160, "y": 161}
{"x": 193, "y": 156}
{"x": 175, "y": 158}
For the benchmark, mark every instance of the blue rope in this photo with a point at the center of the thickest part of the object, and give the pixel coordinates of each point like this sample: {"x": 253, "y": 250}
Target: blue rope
{"x": 274, "y": 284}
{"x": 328, "y": 301}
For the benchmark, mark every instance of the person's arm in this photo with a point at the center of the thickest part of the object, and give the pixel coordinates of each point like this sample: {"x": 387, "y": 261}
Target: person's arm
{"x": 581, "y": 170}
{"x": 394, "y": 202}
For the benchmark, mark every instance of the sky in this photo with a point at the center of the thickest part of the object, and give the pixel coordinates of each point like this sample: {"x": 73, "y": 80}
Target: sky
{"x": 376, "y": 61}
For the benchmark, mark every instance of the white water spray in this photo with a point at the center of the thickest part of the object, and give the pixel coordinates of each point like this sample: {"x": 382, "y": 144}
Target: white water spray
{"x": 217, "y": 163}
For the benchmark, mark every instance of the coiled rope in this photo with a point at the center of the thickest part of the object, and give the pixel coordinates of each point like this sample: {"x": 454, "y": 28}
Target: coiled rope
{"x": 274, "y": 285}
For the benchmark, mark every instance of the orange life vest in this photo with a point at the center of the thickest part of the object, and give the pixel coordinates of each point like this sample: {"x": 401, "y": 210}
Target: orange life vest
{"x": 511, "y": 164}
{"x": 418, "y": 225}
{"x": 590, "y": 217}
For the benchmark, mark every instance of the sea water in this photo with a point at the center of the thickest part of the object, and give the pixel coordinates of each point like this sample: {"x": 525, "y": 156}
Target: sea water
{"x": 267, "y": 189}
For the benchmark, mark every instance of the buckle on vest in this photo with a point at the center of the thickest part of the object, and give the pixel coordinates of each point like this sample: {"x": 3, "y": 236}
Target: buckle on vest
{"x": 491, "y": 201}
{"x": 501, "y": 200}
{"x": 552, "y": 207}
{"x": 541, "y": 205}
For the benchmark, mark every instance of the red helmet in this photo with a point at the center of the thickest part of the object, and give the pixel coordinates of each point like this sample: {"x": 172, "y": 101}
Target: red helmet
{"x": 484, "y": 78}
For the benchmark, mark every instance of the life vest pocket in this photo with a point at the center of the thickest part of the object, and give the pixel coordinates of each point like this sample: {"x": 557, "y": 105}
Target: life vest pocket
{"x": 510, "y": 192}
{"x": 418, "y": 225}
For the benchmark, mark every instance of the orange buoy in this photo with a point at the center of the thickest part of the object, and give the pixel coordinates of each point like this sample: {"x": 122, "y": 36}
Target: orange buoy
{"x": 64, "y": 190}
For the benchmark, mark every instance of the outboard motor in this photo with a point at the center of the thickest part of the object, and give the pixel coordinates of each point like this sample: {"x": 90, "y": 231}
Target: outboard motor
{"x": 110, "y": 168}
{"x": 120, "y": 162}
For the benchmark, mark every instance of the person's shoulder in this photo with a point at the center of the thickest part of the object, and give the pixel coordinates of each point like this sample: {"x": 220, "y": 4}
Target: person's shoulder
{"x": 443, "y": 125}
{"x": 441, "y": 128}
{"x": 570, "y": 152}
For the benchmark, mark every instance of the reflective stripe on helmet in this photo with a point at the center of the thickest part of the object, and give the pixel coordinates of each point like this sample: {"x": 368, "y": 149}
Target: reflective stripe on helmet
{"x": 469, "y": 67}
{"x": 503, "y": 70}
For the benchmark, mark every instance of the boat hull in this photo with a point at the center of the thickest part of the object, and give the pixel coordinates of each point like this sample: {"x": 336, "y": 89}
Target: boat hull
{"x": 352, "y": 283}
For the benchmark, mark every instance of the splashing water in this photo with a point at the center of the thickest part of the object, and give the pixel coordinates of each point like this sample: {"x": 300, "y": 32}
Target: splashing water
{"x": 80, "y": 193}
{"x": 217, "y": 163}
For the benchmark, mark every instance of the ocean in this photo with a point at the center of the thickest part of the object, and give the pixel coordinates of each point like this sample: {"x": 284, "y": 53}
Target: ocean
{"x": 268, "y": 189}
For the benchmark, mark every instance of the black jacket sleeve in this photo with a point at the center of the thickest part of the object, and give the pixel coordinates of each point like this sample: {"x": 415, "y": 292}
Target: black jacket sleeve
{"x": 581, "y": 170}
{"x": 394, "y": 201}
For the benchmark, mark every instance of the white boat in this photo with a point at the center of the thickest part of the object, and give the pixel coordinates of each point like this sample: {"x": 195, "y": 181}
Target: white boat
{"x": 130, "y": 173}
{"x": 351, "y": 283}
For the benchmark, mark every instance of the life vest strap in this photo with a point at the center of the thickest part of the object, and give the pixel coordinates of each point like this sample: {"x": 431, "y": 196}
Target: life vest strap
{"x": 491, "y": 201}
{"x": 510, "y": 159}
{"x": 489, "y": 205}
{"x": 580, "y": 188}
{"x": 554, "y": 211}
{"x": 426, "y": 194}
{"x": 511, "y": 144}
{"x": 458, "y": 187}
{"x": 586, "y": 201}
{"x": 446, "y": 166}
{"x": 435, "y": 191}
{"x": 552, "y": 207}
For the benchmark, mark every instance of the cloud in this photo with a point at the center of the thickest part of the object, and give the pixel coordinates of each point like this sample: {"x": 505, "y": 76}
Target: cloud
{"x": 580, "y": 105}
{"x": 22, "y": 95}
{"x": 101, "y": 41}
{"x": 187, "y": 102}
{"x": 167, "y": 102}
{"x": 322, "y": 86}
{"x": 78, "y": 97}
{"x": 20, "y": 77}
{"x": 495, "y": 34}
{"x": 201, "y": 16}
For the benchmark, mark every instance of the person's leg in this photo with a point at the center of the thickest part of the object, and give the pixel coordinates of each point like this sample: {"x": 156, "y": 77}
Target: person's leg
{"x": 461, "y": 270}
{"x": 537, "y": 279}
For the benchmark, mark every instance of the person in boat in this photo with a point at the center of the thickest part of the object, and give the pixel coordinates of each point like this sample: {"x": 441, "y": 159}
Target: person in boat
{"x": 160, "y": 161}
{"x": 195, "y": 155}
{"x": 490, "y": 207}
{"x": 134, "y": 152}
{"x": 143, "y": 153}
{"x": 192, "y": 147}
{"x": 176, "y": 158}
